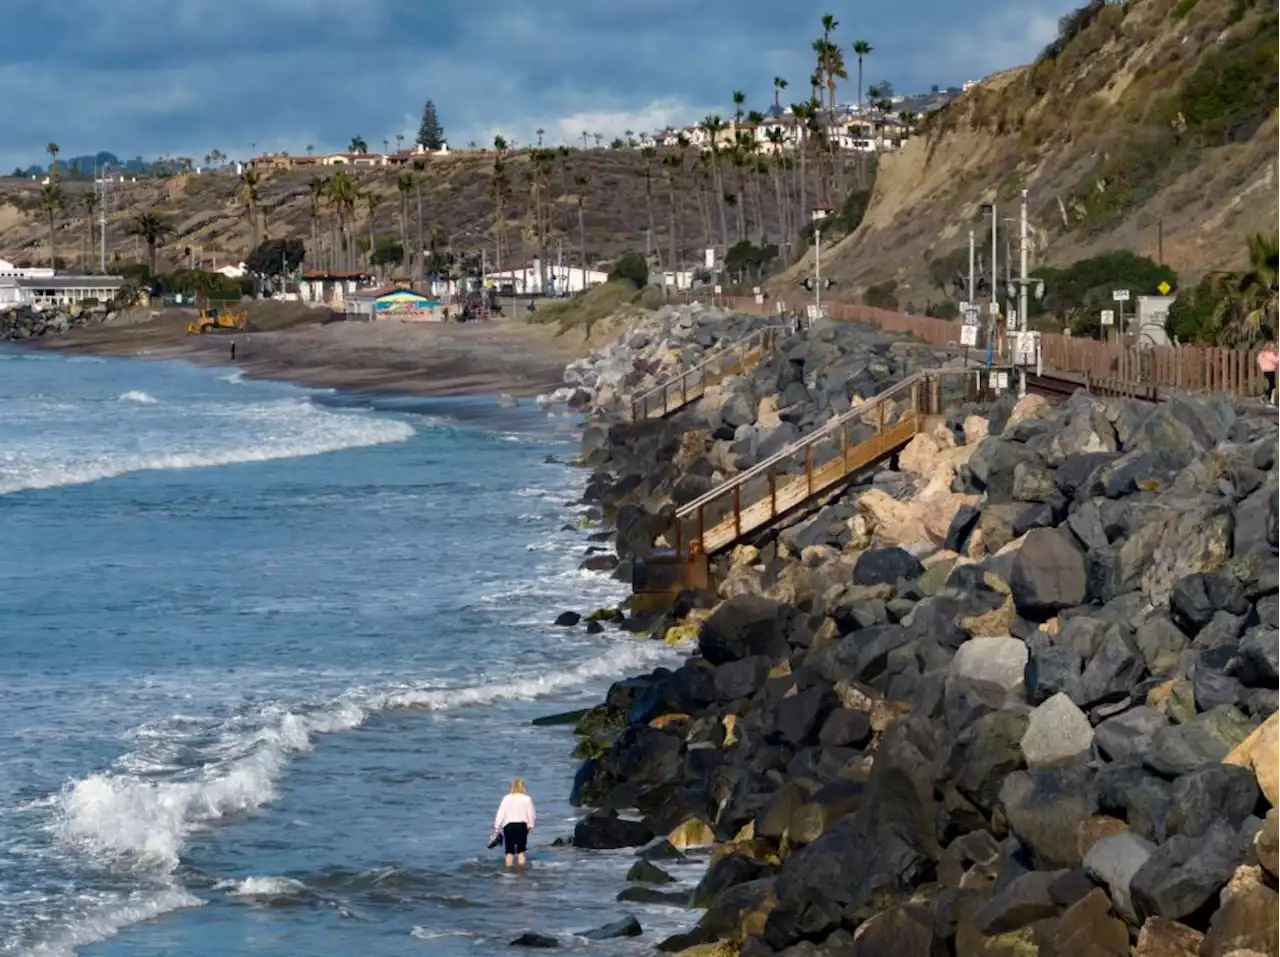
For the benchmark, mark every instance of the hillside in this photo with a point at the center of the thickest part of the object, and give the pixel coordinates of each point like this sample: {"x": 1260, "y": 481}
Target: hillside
{"x": 208, "y": 217}
{"x": 1141, "y": 113}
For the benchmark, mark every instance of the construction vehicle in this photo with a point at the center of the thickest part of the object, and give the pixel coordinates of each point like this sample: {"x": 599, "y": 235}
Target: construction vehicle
{"x": 215, "y": 320}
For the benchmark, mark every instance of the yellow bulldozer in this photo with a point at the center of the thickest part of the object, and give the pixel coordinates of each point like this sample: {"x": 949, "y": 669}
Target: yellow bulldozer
{"x": 215, "y": 320}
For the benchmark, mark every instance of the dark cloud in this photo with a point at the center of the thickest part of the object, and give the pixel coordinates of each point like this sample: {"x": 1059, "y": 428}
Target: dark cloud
{"x": 156, "y": 77}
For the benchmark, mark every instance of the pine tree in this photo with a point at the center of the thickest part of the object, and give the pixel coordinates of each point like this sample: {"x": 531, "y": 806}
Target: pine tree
{"x": 431, "y": 133}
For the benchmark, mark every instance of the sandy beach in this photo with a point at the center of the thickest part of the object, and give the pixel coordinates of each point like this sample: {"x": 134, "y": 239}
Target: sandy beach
{"x": 298, "y": 344}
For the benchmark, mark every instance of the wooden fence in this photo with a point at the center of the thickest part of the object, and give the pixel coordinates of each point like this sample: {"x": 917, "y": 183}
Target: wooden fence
{"x": 1193, "y": 368}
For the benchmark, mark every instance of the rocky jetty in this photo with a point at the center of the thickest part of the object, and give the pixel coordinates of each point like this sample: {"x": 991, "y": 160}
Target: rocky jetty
{"x": 1016, "y": 695}
{"x": 24, "y": 322}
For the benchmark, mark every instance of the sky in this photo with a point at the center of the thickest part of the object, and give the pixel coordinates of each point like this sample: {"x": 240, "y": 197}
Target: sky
{"x": 186, "y": 77}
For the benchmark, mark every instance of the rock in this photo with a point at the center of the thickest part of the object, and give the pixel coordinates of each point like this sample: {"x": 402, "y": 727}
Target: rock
{"x": 1052, "y": 670}
{"x": 1184, "y": 873}
{"x": 1114, "y": 668}
{"x": 741, "y": 678}
{"x": 845, "y": 728}
{"x": 1027, "y": 407}
{"x": 742, "y": 626}
{"x": 1044, "y": 808}
{"x": 1259, "y": 751}
{"x": 1112, "y": 862}
{"x": 660, "y": 850}
{"x": 1128, "y": 735}
{"x": 799, "y": 716}
{"x": 1174, "y": 699}
{"x": 643, "y": 872}
{"x": 725, "y": 872}
{"x": 640, "y": 894}
{"x": 1091, "y": 830}
{"x": 627, "y": 927}
{"x": 1180, "y": 748}
{"x": 567, "y": 619}
{"x": 1048, "y": 574}
{"x": 1195, "y": 540}
{"x": 920, "y": 456}
{"x": 608, "y": 831}
{"x": 535, "y": 940}
{"x": 1196, "y": 598}
{"x": 990, "y": 670}
{"x": 1087, "y": 929}
{"x": 1161, "y": 937}
{"x": 1058, "y": 731}
{"x": 1029, "y": 897}
{"x": 1159, "y": 641}
{"x": 975, "y": 429}
{"x": 878, "y": 566}
{"x": 1246, "y": 921}
{"x": 1213, "y": 792}
{"x": 691, "y": 833}
{"x": 901, "y": 930}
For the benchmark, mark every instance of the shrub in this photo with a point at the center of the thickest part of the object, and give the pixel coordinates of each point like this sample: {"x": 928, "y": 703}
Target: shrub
{"x": 632, "y": 267}
{"x": 1233, "y": 89}
{"x": 946, "y": 309}
{"x": 882, "y": 295}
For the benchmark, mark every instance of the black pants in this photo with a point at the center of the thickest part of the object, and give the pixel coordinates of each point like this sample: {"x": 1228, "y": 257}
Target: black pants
{"x": 1271, "y": 384}
{"x": 515, "y": 837}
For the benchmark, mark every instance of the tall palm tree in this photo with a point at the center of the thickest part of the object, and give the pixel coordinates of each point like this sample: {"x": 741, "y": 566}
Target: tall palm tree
{"x": 419, "y": 169}
{"x": 580, "y": 183}
{"x": 779, "y": 84}
{"x": 672, "y": 164}
{"x": 738, "y": 159}
{"x": 703, "y": 179}
{"x": 152, "y": 230}
{"x": 372, "y": 201}
{"x": 861, "y": 49}
{"x": 776, "y": 138}
{"x": 713, "y": 126}
{"x": 404, "y": 185}
{"x": 51, "y": 201}
{"x": 500, "y": 194}
{"x": 648, "y": 154}
{"x": 358, "y": 145}
{"x": 341, "y": 194}
{"x": 53, "y": 149}
{"x": 1247, "y": 301}
{"x": 739, "y": 105}
{"x": 317, "y": 187}
{"x": 248, "y": 196}
{"x": 803, "y": 112}
{"x": 90, "y": 201}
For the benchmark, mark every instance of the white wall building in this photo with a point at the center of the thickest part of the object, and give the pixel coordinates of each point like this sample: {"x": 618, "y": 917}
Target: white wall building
{"x": 23, "y": 272}
{"x": 561, "y": 279}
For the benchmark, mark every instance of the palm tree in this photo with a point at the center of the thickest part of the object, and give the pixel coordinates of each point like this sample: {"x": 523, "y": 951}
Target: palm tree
{"x": 358, "y": 145}
{"x": 540, "y": 131}
{"x": 862, "y": 49}
{"x": 152, "y": 230}
{"x": 713, "y": 126}
{"x": 248, "y": 195}
{"x": 1247, "y": 301}
{"x": 342, "y": 194}
{"x": 500, "y": 193}
{"x": 580, "y": 183}
{"x": 702, "y": 176}
{"x": 779, "y": 84}
{"x": 53, "y": 149}
{"x": 738, "y": 159}
{"x": 90, "y": 200}
{"x": 419, "y": 168}
{"x": 51, "y": 201}
{"x": 310, "y": 149}
{"x": 317, "y": 190}
{"x": 739, "y": 102}
{"x": 672, "y": 164}
{"x": 372, "y": 202}
{"x": 908, "y": 119}
{"x": 803, "y": 112}
{"x": 404, "y": 185}
{"x": 648, "y": 154}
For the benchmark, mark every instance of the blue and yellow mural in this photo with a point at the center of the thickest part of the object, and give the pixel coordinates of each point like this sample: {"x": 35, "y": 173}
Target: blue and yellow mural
{"x": 404, "y": 302}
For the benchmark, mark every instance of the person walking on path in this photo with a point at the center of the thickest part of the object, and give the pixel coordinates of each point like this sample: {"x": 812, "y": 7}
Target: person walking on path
{"x": 1268, "y": 361}
{"x": 514, "y": 821}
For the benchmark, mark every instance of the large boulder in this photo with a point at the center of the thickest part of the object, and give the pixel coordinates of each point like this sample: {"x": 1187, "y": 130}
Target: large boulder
{"x": 1057, "y": 731}
{"x": 742, "y": 626}
{"x": 885, "y": 566}
{"x": 1045, "y": 807}
{"x": 608, "y": 832}
{"x": 1184, "y": 874}
{"x": 1112, "y": 862}
{"x": 1048, "y": 574}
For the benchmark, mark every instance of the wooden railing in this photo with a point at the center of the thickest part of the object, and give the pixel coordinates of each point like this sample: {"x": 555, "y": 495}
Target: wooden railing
{"x": 1193, "y": 368}
{"x": 690, "y": 385}
{"x": 825, "y": 458}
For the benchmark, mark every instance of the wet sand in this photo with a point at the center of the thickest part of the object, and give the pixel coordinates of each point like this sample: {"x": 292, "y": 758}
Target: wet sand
{"x": 387, "y": 357}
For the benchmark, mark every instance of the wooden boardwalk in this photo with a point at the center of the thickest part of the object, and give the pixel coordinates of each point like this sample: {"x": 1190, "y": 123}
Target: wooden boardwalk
{"x": 826, "y": 458}
{"x": 686, "y": 387}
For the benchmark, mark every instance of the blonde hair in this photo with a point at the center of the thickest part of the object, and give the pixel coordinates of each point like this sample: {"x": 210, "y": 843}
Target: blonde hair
{"x": 517, "y": 786}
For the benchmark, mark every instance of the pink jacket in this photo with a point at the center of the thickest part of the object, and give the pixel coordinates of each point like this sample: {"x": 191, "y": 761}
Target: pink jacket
{"x": 1268, "y": 360}
{"x": 515, "y": 808}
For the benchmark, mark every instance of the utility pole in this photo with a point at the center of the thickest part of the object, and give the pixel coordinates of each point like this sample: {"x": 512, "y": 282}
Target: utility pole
{"x": 995, "y": 280}
{"x": 101, "y": 185}
{"x": 971, "y": 290}
{"x": 1022, "y": 269}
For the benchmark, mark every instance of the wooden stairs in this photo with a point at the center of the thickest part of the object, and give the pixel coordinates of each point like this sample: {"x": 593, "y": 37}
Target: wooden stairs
{"x": 826, "y": 458}
{"x": 680, "y": 390}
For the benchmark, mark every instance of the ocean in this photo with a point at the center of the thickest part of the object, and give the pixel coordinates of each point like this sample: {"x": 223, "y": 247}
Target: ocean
{"x": 270, "y": 658}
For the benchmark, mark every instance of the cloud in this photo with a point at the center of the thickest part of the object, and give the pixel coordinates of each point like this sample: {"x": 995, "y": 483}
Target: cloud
{"x": 154, "y": 77}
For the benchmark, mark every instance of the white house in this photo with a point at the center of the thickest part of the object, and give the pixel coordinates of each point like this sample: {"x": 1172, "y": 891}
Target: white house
{"x": 24, "y": 272}
{"x": 65, "y": 290}
{"x": 523, "y": 280}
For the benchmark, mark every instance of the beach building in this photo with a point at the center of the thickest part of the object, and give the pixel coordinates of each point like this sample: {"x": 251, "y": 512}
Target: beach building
{"x": 391, "y": 302}
{"x": 332, "y": 286}
{"x": 60, "y": 290}
{"x": 523, "y": 280}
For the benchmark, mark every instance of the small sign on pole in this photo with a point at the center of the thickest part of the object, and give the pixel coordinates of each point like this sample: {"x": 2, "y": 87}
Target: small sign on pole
{"x": 759, "y": 299}
{"x": 1011, "y": 320}
{"x": 1120, "y": 295}
{"x": 1026, "y": 348}
{"x": 968, "y": 335}
{"x": 717, "y": 289}
{"x": 1164, "y": 287}
{"x": 970, "y": 315}
{"x": 710, "y": 258}
{"x": 1108, "y": 317}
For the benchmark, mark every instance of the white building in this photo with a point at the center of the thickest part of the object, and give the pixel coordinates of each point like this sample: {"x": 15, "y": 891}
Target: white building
{"x": 24, "y": 272}
{"x": 60, "y": 290}
{"x": 523, "y": 280}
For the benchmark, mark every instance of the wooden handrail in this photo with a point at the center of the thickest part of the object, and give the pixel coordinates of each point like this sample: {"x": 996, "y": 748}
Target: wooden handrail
{"x": 743, "y": 347}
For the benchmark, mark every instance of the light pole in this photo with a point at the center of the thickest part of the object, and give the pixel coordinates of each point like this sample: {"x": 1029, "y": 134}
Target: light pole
{"x": 1022, "y": 268}
{"x": 971, "y": 291}
{"x": 818, "y": 214}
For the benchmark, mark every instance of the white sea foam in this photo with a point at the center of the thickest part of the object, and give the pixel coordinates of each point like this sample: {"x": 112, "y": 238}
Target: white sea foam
{"x": 138, "y": 396}
{"x": 259, "y": 433}
{"x": 104, "y": 921}
{"x": 262, "y": 887}
{"x": 235, "y": 375}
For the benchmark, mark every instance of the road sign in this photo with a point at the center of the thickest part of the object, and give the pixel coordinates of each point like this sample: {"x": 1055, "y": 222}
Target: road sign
{"x": 970, "y": 315}
{"x": 1164, "y": 287}
{"x": 759, "y": 299}
{"x": 1108, "y": 317}
{"x": 1026, "y": 348}
{"x": 717, "y": 289}
{"x": 998, "y": 380}
{"x": 782, "y": 308}
{"x": 1011, "y": 320}
{"x": 1120, "y": 295}
{"x": 814, "y": 312}
{"x": 968, "y": 335}
{"x": 994, "y": 306}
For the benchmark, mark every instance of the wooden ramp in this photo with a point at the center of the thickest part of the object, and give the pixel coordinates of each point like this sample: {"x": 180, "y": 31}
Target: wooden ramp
{"x": 826, "y": 458}
{"x": 680, "y": 390}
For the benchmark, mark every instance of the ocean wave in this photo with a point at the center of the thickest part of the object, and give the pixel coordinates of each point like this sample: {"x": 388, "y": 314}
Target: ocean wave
{"x": 138, "y": 396}
{"x": 148, "y": 821}
{"x": 279, "y": 430}
{"x": 264, "y": 887}
{"x": 234, "y": 376}
{"x": 99, "y": 923}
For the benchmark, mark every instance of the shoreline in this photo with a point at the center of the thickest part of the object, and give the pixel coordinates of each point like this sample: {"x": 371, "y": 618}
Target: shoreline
{"x": 393, "y": 359}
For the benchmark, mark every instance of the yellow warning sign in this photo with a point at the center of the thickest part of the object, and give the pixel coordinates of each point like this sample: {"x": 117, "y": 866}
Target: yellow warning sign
{"x": 1164, "y": 287}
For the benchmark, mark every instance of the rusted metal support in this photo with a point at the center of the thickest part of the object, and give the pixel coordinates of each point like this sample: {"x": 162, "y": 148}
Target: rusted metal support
{"x": 808, "y": 469}
{"x": 773, "y": 491}
{"x": 737, "y": 511}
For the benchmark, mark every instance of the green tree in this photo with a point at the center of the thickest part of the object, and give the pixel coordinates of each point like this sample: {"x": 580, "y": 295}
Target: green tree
{"x": 341, "y": 193}
{"x": 358, "y": 145}
{"x": 316, "y": 190}
{"x": 152, "y": 230}
{"x": 632, "y": 268}
{"x": 1246, "y": 309}
{"x": 388, "y": 252}
{"x": 713, "y": 126}
{"x": 372, "y": 201}
{"x": 275, "y": 258}
{"x": 1078, "y": 293}
{"x": 430, "y": 132}
{"x": 779, "y": 84}
{"x": 419, "y": 173}
{"x": 53, "y": 149}
{"x": 861, "y": 49}
{"x": 248, "y": 196}
{"x": 51, "y": 201}
{"x": 739, "y": 105}
{"x": 90, "y": 201}
{"x": 648, "y": 154}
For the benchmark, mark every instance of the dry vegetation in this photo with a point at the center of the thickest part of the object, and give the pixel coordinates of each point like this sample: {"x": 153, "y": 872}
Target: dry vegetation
{"x": 1152, "y": 111}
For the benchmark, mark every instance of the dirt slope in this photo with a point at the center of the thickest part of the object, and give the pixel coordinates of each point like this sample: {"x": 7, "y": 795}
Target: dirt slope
{"x": 1150, "y": 111}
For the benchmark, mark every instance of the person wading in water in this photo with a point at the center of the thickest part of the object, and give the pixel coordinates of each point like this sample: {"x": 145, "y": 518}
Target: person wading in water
{"x": 514, "y": 821}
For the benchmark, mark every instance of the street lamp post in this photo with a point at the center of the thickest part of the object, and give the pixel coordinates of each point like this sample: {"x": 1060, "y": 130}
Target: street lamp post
{"x": 819, "y": 213}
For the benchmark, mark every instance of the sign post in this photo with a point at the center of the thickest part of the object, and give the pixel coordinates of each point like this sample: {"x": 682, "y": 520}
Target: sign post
{"x": 1120, "y": 297}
